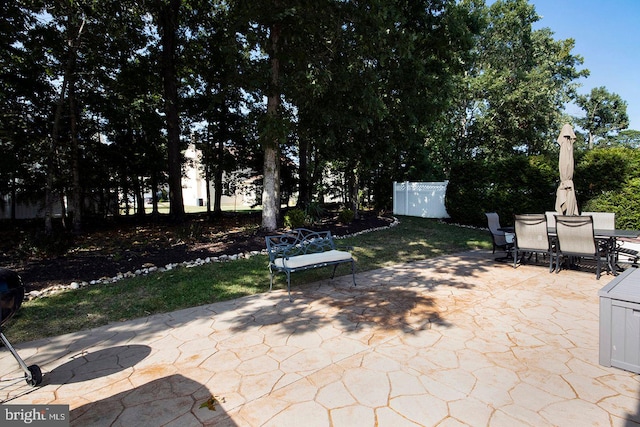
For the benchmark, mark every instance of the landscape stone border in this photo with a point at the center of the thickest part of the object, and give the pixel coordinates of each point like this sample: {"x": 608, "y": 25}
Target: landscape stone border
{"x": 149, "y": 268}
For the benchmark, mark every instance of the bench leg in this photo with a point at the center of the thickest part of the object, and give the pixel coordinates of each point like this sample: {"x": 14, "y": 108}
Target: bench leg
{"x": 353, "y": 271}
{"x": 334, "y": 271}
{"x": 289, "y": 285}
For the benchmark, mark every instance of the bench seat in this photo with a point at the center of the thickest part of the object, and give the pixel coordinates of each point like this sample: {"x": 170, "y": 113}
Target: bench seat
{"x": 309, "y": 260}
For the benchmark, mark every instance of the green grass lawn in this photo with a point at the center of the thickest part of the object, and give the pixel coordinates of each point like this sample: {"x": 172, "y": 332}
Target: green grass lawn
{"x": 413, "y": 239}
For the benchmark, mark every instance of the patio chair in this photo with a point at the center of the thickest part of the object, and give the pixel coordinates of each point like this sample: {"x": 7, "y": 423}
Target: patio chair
{"x": 575, "y": 238}
{"x": 602, "y": 220}
{"x": 531, "y": 237}
{"x": 551, "y": 218}
{"x": 607, "y": 221}
{"x": 501, "y": 239}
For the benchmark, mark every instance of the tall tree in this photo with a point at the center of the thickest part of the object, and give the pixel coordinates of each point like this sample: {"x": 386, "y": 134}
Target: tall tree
{"x": 277, "y": 30}
{"x": 605, "y": 113}
{"x": 369, "y": 108}
{"x": 167, "y": 14}
{"x": 625, "y": 138}
{"x": 521, "y": 81}
{"x": 218, "y": 64}
{"x": 25, "y": 96}
{"x": 70, "y": 18}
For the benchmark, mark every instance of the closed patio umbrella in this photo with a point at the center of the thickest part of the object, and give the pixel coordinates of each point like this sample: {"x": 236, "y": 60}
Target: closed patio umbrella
{"x": 566, "y": 202}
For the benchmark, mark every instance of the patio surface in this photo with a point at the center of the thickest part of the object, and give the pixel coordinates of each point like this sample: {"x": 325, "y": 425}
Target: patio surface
{"x": 452, "y": 341}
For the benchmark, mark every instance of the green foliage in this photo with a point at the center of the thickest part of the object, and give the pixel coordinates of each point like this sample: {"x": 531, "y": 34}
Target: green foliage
{"x": 604, "y": 170}
{"x": 517, "y": 85}
{"x": 465, "y": 193}
{"x": 436, "y": 82}
{"x": 605, "y": 112}
{"x": 606, "y": 179}
{"x": 46, "y": 245}
{"x": 519, "y": 184}
{"x": 190, "y": 231}
{"x": 346, "y": 216}
{"x": 625, "y": 202}
{"x": 295, "y": 218}
{"x": 627, "y": 138}
{"x": 314, "y": 211}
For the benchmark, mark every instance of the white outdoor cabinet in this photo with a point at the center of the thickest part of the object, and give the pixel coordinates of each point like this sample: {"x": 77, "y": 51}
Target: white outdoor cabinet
{"x": 620, "y": 322}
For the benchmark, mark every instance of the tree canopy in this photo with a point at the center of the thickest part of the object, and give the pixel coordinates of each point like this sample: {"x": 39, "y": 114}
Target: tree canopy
{"x": 605, "y": 114}
{"x": 332, "y": 97}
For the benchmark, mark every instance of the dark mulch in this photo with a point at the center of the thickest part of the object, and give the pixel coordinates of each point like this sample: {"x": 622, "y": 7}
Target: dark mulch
{"x": 104, "y": 250}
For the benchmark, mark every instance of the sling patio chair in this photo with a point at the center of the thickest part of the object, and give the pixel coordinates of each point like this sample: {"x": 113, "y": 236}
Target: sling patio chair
{"x": 602, "y": 220}
{"x": 576, "y": 239}
{"x": 531, "y": 237}
{"x": 501, "y": 240}
{"x": 551, "y": 218}
{"x": 607, "y": 221}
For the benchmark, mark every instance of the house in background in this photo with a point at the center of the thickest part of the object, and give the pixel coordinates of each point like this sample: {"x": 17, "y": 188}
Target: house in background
{"x": 28, "y": 209}
{"x": 238, "y": 193}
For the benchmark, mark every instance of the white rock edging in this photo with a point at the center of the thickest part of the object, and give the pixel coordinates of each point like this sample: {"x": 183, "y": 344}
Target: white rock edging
{"x": 149, "y": 268}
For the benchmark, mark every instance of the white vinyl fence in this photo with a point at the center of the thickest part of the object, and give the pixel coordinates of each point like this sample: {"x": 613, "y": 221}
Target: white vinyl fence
{"x": 423, "y": 199}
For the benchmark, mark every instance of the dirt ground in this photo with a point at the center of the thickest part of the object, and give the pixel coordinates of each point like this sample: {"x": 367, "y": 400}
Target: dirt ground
{"x": 105, "y": 249}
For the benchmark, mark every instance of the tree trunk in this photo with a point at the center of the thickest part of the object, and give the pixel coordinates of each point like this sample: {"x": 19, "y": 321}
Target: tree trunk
{"x": 154, "y": 194}
{"x": 51, "y": 159}
{"x": 63, "y": 209}
{"x": 217, "y": 176}
{"x": 13, "y": 198}
{"x": 139, "y": 197}
{"x": 154, "y": 183}
{"x": 271, "y": 143}
{"x": 207, "y": 179}
{"x": 168, "y": 20}
{"x": 76, "y": 188}
{"x": 354, "y": 188}
{"x": 53, "y": 140}
{"x": 304, "y": 193}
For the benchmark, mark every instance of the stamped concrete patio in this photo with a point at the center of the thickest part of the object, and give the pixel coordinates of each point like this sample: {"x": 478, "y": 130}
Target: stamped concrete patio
{"x": 456, "y": 340}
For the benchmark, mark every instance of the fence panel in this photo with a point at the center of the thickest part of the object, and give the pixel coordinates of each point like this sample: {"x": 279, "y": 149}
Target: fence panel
{"x": 423, "y": 199}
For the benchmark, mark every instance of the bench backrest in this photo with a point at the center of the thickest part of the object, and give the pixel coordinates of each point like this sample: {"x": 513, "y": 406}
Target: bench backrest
{"x": 298, "y": 241}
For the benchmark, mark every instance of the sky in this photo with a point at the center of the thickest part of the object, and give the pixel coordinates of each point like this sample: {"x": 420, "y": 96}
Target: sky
{"x": 607, "y": 36}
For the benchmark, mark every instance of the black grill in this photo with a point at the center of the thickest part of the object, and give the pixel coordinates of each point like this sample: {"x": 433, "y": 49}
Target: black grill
{"x": 11, "y": 297}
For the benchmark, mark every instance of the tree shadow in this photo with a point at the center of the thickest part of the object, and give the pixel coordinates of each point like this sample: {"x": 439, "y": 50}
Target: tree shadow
{"x": 633, "y": 420}
{"x": 171, "y": 400}
{"x": 401, "y": 298}
{"x": 85, "y": 366}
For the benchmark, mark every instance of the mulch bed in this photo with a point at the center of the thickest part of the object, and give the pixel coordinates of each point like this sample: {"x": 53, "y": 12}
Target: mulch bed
{"x": 109, "y": 248}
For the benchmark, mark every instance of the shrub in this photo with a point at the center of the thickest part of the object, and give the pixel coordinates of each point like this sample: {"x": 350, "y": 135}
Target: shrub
{"x": 346, "y": 216}
{"x": 625, "y": 203}
{"x": 518, "y": 184}
{"x": 314, "y": 211}
{"x": 603, "y": 170}
{"x": 192, "y": 231}
{"x": 295, "y": 218}
{"x": 43, "y": 245}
